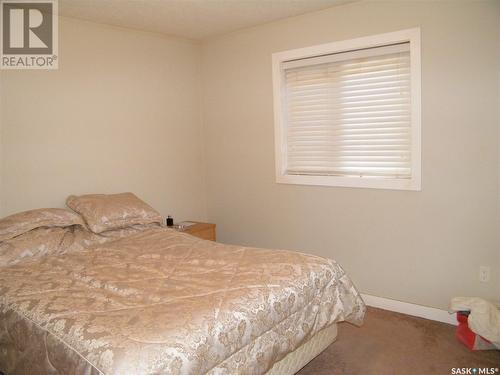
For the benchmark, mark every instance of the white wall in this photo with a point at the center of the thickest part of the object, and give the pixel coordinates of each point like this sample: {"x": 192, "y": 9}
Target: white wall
{"x": 420, "y": 247}
{"x": 122, "y": 113}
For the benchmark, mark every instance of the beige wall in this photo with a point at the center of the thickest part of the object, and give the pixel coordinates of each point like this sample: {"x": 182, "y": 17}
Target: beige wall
{"x": 121, "y": 114}
{"x": 421, "y": 247}
{"x": 498, "y": 148}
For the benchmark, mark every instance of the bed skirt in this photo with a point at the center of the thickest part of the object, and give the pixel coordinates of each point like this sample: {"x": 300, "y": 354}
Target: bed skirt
{"x": 305, "y": 353}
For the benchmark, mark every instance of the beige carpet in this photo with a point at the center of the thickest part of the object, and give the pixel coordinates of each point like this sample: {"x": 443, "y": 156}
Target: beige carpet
{"x": 391, "y": 344}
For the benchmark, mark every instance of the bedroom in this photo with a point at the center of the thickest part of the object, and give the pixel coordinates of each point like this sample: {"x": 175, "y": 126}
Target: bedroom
{"x": 175, "y": 102}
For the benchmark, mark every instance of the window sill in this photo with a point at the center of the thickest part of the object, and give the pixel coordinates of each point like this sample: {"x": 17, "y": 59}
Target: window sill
{"x": 353, "y": 182}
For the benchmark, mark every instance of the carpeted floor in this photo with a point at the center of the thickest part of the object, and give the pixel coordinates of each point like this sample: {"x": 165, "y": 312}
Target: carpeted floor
{"x": 392, "y": 344}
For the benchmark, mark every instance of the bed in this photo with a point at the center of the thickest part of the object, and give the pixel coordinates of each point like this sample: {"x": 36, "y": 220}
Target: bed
{"x": 146, "y": 299}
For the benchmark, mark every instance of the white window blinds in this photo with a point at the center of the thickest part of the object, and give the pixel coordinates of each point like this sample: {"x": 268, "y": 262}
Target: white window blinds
{"x": 348, "y": 114}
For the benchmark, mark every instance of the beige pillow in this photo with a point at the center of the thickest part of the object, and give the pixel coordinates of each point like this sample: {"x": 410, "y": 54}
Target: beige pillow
{"x": 104, "y": 212}
{"x": 22, "y": 222}
{"x": 36, "y": 243}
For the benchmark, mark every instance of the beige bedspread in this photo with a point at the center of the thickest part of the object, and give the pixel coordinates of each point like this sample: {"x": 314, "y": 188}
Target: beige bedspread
{"x": 166, "y": 302}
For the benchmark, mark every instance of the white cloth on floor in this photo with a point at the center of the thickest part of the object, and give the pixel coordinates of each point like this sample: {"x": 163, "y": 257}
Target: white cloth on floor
{"x": 484, "y": 317}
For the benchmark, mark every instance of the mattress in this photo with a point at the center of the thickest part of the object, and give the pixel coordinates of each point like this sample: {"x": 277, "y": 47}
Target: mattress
{"x": 161, "y": 301}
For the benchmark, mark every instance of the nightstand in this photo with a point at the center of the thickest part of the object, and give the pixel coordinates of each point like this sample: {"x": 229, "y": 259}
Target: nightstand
{"x": 204, "y": 231}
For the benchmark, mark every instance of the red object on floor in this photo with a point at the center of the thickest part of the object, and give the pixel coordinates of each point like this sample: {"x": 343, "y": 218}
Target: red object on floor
{"x": 470, "y": 339}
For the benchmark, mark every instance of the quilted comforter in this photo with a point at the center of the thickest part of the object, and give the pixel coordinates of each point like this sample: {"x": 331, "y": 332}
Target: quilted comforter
{"x": 161, "y": 301}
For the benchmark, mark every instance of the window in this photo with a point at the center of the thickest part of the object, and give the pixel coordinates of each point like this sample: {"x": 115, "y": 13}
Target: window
{"x": 348, "y": 113}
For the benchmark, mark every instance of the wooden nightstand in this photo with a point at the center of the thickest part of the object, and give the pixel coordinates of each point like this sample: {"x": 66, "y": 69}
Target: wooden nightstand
{"x": 204, "y": 231}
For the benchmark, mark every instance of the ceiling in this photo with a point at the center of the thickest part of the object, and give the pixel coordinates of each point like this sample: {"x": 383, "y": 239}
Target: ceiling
{"x": 193, "y": 19}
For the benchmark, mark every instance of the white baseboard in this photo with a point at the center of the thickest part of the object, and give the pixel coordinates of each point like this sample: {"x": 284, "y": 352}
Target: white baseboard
{"x": 430, "y": 313}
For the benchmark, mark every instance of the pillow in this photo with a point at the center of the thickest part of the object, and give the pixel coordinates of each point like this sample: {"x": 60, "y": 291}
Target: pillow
{"x": 35, "y": 244}
{"x": 55, "y": 241}
{"x": 104, "y": 212}
{"x": 22, "y": 222}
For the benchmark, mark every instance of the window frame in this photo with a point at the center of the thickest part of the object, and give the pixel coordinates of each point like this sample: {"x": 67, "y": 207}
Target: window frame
{"x": 415, "y": 182}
